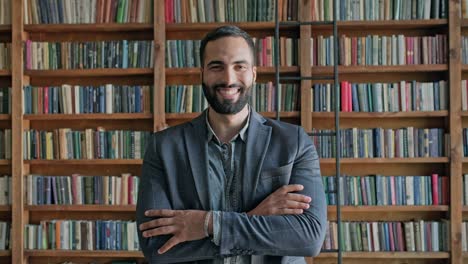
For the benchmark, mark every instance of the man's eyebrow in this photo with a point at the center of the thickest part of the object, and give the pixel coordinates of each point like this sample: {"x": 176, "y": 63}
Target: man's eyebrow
{"x": 218, "y": 62}
{"x": 215, "y": 62}
{"x": 241, "y": 62}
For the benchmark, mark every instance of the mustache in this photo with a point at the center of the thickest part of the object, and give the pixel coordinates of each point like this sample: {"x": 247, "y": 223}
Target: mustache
{"x": 225, "y": 85}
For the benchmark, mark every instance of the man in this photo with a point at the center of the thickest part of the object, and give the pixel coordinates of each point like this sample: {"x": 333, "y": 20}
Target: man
{"x": 230, "y": 186}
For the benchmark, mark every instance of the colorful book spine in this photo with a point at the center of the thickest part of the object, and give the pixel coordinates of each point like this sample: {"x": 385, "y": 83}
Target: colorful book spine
{"x": 410, "y": 236}
{"x": 83, "y": 12}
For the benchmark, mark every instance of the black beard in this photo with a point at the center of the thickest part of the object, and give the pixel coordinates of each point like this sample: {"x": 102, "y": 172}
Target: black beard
{"x": 226, "y": 107}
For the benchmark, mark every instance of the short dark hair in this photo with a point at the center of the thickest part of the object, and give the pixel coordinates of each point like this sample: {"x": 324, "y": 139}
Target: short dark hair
{"x": 226, "y": 31}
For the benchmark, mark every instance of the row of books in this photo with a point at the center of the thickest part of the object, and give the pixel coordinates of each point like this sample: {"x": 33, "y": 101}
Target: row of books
{"x": 91, "y": 11}
{"x": 78, "y": 189}
{"x": 5, "y": 144}
{"x": 408, "y": 142}
{"x": 288, "y": 51}
{"x": 465, "y": 142}
{"x": 322, "y": 10}
{"x": 186, "y": 53}
{"x": 5, "y": 190}
{"x": 464, "y": 234}
{"x": 5, "y": 235}
{"x": 388, "y": 190}
{"x": 464, "y": 47}
{"x": 371, "y": 50}
{"x": 88, "y": 55}
{"x": 184, "y": 99}
{"x": 76, "y": 99}
{"x": 422, "y": 236}
{"x": 5, "y": 12}
{"x": 196, "y": 11}
{"x": 183, "y": 53}
{"x": 200, "y": 11}
{"x": 190, "y": 98}
{"x": 380, "y": 50}
{"x": 82, "y": 235}
{"x": 464, "y": 8}
{"x": 403, "y": 96}
{"x": 5, "y": 100}
{"x": 64, "y": 143}
{"x": 5, "y": 54}
{"x": 263, "y": 97}
{"x": 465, "y": 189}
{"x": 464, "y": 91}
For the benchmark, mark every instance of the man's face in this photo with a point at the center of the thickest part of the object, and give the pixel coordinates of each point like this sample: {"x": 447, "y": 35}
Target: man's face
{"x": 228, "y": 74}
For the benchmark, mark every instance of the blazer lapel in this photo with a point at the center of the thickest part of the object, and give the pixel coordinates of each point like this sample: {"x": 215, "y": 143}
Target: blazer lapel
{"x": 195, "y": 139}
{"x": 258, "y": 140}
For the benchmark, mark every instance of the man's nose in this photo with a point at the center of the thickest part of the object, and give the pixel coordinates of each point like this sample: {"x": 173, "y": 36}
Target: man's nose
{"x": 229, "y": 77}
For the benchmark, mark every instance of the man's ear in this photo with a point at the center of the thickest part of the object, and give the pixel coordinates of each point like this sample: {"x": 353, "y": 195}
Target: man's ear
{"x": 254, "y": 71}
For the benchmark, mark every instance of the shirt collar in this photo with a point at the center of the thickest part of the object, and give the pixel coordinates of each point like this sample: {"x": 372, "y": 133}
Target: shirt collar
{"x": 242, "y": 133}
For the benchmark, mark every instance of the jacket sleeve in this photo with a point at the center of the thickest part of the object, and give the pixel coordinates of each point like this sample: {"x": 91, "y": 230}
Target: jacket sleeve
{"x": 153, "y": 195}
{"x": 283, "y": 235}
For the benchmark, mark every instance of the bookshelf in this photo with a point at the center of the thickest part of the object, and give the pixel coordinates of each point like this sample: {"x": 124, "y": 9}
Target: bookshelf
{"x": 453, "y": 120}
{"x": 5, "y": 122}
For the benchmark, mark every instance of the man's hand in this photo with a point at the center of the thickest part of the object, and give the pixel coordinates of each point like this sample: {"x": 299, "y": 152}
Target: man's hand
{"x": 283, "y": 202}
{"x": 184, "y": 225}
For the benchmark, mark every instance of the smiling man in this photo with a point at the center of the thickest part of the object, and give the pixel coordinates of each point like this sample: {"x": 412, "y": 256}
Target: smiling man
{"x": 230, "y": 186}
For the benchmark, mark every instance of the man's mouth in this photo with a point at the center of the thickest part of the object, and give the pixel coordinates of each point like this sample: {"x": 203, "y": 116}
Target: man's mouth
{"x": 228, "y": 93}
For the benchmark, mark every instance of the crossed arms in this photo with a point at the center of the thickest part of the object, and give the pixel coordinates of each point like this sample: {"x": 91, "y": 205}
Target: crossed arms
{"x": 283, "y": 224}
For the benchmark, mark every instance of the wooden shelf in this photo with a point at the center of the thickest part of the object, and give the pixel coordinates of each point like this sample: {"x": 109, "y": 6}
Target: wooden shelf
{"x": 89, "y": 73}
{"x": 82, "y": 208}
{"x": 5, "y": 208}
{"x": 342, "y": 25}
{"x": 5, "y": 73}
{"x": 398, "y": 213}
{"x": 5, "y": 29}
{"x": 84, "y": 253}
{"x": 159, "y": 32}
{"x": 5, "y": 117}
{"x": 86, "y": 162}
{"x": 94, "y": 28}
{"x": 198, "y": 30}
{"x": 464, "y": 23}
{"x": 386, "y": 24}
{"x": 189, "y": 116}
{"x": 367, "y": 115}
{"x": 464, "y": 68}
{"x": 328, "y": 70}
{"x": 390, "y": 208}
{"x": 248, "y": 26}
{"x": 5, "y": 162}
{"x": 385, "y": 160}
{"x": 387, "y": 255}
{"x": 118, "y": 116}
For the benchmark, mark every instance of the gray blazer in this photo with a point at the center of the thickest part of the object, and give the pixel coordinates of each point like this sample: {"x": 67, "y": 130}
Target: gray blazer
{"x": 174, "y": 176}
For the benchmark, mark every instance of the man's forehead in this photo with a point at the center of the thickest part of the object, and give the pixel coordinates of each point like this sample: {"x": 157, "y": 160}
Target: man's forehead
{"x": 233, "y": 48}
